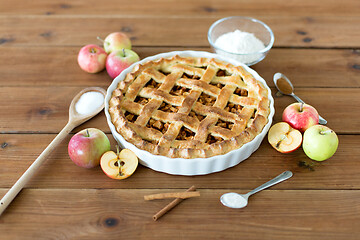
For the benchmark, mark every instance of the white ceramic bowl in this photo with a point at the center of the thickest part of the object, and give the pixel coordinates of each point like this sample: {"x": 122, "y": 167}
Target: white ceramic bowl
{"x": 196, "y": 166}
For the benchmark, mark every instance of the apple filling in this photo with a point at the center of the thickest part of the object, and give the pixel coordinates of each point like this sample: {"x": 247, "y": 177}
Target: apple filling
{"x": 222, "y": 73}
{"x": 185, "y": 134}
{"x": 165, "y": 107}
{"x": 130, "y": 117}
{"x": 224, "y": 124}
{"x": 212, "y": 139}
{"x": 185, "y": 75}
{"x": 198, "y": 116}
{"x": 152, "y": 84}
{"x": 241, "y": 92}
{"x": 233, "y": 108}
{"x": 179, "y": 91}
{"x": 206, "y": 99}
{"x": 141, "y": 100}
{"x": 157, "y": 124}
{"x": 218, "y": 85}
{"x": 253, "y": 115}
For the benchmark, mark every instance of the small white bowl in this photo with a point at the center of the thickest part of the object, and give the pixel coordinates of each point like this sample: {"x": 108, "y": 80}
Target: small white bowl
{"x": 245, "y": 24}
{"x": 196, "y": 166}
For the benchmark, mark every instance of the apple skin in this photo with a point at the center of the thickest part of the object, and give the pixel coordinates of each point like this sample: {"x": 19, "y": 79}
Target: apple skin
{"x": 116, "y": 41}
{"x": 87, "y": 146}
{"x": 300, "y": 119}
{"x": 119, "y": 60}
{"x": 92, "y": 58}
{"x": 320, "y": 142}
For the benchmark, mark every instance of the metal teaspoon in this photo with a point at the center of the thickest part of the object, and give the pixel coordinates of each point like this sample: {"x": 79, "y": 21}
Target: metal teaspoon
{"x": 284, "y": 86}
{"x": 235, "y": 200}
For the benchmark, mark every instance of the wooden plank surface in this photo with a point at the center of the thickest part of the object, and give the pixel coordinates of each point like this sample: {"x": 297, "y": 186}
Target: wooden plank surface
{"x": 187, "y": 8}
{"x": 316, "y": 46}
{"x": 103, "y": 214}
{"x": 48, "y": 110}
{"x": 18, "y": 151}
{"x": 323, "y": 31}
{"x": 305, "y": 67}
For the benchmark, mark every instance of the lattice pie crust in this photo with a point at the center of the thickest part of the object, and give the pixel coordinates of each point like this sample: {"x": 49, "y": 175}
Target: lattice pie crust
{"x": 189, "y": 107}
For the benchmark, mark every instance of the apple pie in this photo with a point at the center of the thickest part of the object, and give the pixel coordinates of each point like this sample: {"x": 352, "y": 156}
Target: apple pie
{"x": 189, "y": 107}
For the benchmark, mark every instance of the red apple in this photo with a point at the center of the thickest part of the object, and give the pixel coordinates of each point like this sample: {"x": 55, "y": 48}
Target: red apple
{"x": 117, "y": 61}
{"x": 284, "y": 138}
{"x": 300, "y": 116}
{"x": 116, "y": 41}
{"x": 92, "y": 58}
{"x": 87, "y": 146}
{"x": 119, "y": 166}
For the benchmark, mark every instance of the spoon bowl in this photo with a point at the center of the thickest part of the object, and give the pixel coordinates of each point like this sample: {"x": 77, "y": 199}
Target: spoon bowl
{"x": 284, "y": 85}
{"x": 78, "y": 118}
{"x": 235, "y": 200}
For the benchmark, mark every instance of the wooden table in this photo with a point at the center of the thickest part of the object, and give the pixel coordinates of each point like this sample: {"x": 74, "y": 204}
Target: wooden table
{"x": 316, "y": 45}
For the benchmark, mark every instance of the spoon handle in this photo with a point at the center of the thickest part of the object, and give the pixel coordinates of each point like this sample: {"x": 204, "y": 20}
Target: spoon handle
{"x": 19, "y": 185}
{"x": 321, "y": 119}
{"x": 297, "y": 98}
{"x": 283, "y": 176}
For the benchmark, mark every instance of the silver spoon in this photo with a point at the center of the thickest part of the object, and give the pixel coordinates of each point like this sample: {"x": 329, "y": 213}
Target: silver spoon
{"x": 235, "y": 200}
{"x": 284, "y": 86}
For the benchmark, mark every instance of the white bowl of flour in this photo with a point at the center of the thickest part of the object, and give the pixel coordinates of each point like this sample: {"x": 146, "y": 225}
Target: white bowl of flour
{"x": 244, "y": 39}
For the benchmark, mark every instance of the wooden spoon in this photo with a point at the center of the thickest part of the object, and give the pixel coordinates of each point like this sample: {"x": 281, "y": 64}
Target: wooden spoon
{"x": 75, "y": 119}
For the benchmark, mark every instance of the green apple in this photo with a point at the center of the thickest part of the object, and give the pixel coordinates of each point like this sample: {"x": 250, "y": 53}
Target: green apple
{"x": 320, "y": 142}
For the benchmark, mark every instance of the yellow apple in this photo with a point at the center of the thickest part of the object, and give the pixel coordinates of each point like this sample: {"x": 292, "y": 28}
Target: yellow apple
{"x": 119, "y": 166}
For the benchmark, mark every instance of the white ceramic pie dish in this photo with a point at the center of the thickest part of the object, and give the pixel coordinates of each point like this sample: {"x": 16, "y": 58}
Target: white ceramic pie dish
{"x": 196, "y": 166}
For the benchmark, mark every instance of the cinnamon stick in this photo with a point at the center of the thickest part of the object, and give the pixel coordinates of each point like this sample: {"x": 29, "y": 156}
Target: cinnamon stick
{"x": 182, "y": 195}
{"x": 171, "y": 205}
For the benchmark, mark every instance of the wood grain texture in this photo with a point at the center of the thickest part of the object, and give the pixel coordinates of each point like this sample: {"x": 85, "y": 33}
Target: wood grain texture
{"x": 187, "y": 8}
{"x": 305, "y": 67}
{"x": 105, "y": 213}
{"x": 339, "y": 172}
{"x": 35, "y": 31}
{"x": 316, "y": 46}
{"x": 47, "y": 111}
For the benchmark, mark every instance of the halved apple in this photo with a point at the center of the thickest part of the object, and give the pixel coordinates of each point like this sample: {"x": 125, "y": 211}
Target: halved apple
{"x": 119, "y": 166}
{"x": 284, "y": 138}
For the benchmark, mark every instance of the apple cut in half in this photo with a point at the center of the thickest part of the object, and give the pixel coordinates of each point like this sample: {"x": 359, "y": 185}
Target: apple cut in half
{"x": 284, "y": 138}
{"x": 119, "y": 166}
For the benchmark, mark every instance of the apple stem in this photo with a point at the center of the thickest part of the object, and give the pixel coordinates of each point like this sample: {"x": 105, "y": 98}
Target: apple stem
{"x": 87, "y": 133}
{"x": 100, "y": 39}
{"x": 325, "y": 132}
{"x": 124, "y": 52}
{"x": 301, "y": 107}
